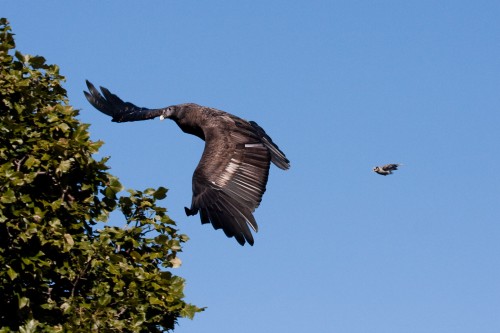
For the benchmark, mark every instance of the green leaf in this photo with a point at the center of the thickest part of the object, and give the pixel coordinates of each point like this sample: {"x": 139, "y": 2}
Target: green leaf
{"x": 69, "y": 240}
{"x": 8, "y": 196}
{"x": 115, "y": 185}
{"x": 65, "y": 307}
{"x": 12, "y": 274}
{"x": 37, "y": 61}
{"x": 135, "y": 255}
{"x": 64, "y": 166}
{"x": 155, "y": 300}
{"x": 31, "y": 161}
{"x": 23, "y": 301}
{"x": 29, "y": 327}
{"x": 63, "y": 127}
{"x": 190, "y": 310}
{"x": 104, "y": 300}
{"x": 160, "y": 193}
{"x": 176, "y": 262}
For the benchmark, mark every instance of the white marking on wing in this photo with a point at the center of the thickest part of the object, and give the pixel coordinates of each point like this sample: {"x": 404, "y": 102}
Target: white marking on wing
{"x": 251, "y": 145}
{"x": 228, "y": 173}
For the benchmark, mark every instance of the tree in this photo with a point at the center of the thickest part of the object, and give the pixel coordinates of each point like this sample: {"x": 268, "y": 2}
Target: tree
{"x": 61, "y": 267}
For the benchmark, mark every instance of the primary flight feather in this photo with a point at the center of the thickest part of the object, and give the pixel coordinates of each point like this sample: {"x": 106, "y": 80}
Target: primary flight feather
{"x": 231, "y": 177}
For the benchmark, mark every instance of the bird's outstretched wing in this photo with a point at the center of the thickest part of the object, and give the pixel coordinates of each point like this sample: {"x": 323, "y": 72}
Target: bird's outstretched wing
{"x": 230, "y": 180}
{"x": 110, "y": 104}
{"x": 390, "y": 167}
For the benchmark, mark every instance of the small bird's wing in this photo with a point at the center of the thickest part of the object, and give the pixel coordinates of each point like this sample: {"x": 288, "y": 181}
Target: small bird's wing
{"x": 231, "y": 178}
{"x": 113, "y": 106}
{"x": 390, "y": 167}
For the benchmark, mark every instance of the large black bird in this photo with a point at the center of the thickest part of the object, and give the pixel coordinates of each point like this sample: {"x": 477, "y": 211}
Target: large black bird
{"x": 231, "y": 177}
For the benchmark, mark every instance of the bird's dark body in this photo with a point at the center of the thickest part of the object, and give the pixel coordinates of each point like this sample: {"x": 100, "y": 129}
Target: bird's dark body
{"x": 232, "y": 174}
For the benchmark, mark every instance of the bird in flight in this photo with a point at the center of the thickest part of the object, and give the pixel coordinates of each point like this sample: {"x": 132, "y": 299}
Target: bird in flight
{"x": 386, "y": 169}
{"x": 231, "y": 177}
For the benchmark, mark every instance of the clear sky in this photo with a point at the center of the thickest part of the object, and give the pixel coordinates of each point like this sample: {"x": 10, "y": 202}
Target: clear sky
{"x": 340, "y": 86}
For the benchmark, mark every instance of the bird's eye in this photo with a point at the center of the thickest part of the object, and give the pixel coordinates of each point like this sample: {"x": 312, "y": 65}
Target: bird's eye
{"x": 169, "y": 111}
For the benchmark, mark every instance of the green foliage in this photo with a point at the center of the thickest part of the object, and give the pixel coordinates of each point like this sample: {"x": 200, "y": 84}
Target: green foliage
{"x": 61, "y": 268}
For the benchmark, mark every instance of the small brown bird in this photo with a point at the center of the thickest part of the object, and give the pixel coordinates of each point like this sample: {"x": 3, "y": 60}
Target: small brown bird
{"x": 386, "y": 169}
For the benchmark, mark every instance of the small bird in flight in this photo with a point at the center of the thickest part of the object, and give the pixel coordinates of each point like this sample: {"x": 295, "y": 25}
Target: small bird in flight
{"x": 231, "y": 177}
{"x": 386, "y": 169}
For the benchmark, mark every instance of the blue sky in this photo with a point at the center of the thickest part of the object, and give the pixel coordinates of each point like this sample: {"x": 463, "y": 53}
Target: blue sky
{"x": 341, "y": 86}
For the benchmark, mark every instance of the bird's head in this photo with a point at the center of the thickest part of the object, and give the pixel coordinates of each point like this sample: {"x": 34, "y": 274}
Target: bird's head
{"x": 375, "y": 169}
{"x": 168, "y": 112}
{"x": 180, "y": 111}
